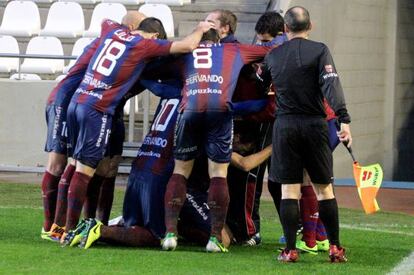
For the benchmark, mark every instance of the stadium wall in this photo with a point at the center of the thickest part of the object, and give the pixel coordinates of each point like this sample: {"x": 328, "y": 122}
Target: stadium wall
{"x": 22, "y": 123}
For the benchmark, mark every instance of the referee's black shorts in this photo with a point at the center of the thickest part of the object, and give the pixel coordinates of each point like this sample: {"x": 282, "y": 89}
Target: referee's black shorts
{"x": 300, "y": 142}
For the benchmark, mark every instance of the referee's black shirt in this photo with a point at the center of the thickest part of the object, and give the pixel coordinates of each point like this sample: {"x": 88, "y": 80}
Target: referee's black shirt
{"x": 303, "y": 73}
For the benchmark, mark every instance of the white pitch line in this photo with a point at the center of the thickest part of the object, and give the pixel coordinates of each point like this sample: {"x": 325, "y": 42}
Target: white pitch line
{"x": 405, "y": 267}
{"x": 350, "y": 226}
{"x": 21, "y": 207}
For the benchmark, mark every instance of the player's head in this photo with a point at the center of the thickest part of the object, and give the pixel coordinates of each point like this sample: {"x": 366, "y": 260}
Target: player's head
{"x": 269, "y": 25}
{"x": 152, "y": 28}
{"x": 132, "y": 19}
{"x": 211, "y": 36}
{"x": 297, "y": 20}
{"x": 225, "y": 21}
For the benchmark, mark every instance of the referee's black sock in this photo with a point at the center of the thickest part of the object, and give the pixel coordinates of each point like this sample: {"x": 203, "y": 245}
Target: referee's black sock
{"x": 289, "y": 211}
{"x": 328, "y": 213}
{"x": 275, "y": 190}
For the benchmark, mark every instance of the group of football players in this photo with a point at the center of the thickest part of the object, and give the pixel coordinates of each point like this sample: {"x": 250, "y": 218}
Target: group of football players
{"x": 199, "y": 172}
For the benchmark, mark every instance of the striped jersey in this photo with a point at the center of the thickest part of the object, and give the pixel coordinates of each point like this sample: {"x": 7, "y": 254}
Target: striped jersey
{"x": 63, "y": 92}
{"x": 211, "y": 72}
{"x": 116, "y": 65}
{"x": 156, "y": 152}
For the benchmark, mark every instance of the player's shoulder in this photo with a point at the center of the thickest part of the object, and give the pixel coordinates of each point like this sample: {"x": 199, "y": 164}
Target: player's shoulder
{"x": 108, "y": 24}
{"x": 240, "y": 47}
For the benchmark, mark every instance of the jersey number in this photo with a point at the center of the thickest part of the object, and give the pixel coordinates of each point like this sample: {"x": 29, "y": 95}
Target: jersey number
{"x": 107, "y": 58}
{"x": 168, "y": 107}
{"x": 202, "y": 58}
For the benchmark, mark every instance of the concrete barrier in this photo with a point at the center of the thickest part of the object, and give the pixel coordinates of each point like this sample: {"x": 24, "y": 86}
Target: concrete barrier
{"x": 22, "y": 121}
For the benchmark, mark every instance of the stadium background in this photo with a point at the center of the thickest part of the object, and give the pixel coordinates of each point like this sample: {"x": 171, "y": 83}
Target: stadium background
{"x": 372, "y": 45}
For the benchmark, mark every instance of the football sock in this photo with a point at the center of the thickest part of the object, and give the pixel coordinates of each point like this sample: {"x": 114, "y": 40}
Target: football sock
{"x": 275, "y": 190}
{"x": 218, "y": 201}
{"x": 328, "y": 212}
{"x": 175, "y": 196}
{"x": 320, "y": 231}
{"x": 92, "y": 195}
{"x": 289, "y": 211}
{"x": 130, "y": 236}
{"x": 62, "y": 197}
{"x": 49, "y": 195}
{"x": 309, "y": 215}
{"x": 76, "y": 197}
{"x": 106, "y": 198}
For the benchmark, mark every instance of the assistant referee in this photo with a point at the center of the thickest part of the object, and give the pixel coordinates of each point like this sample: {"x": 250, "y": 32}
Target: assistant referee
{"x": 303, "y": 73}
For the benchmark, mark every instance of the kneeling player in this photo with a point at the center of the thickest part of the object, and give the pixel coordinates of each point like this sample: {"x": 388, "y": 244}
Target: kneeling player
{"x": 143, "y": 212}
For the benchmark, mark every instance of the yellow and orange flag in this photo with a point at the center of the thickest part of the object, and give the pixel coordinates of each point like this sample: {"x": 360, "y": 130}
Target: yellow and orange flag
{"x": 368, "y": 180}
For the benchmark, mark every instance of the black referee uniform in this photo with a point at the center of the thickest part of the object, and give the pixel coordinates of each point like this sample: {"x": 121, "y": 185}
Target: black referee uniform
{"x": 303, "y": 73}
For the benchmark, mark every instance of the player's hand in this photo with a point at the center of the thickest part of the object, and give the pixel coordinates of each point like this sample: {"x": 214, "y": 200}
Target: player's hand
{"x": 204, "y": 26}
{"x": 344, "y": 134}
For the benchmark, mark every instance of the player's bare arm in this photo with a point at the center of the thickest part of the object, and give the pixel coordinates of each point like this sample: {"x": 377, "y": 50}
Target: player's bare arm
{"x": 249, "y": 162}
{"x": 190, "y": 42}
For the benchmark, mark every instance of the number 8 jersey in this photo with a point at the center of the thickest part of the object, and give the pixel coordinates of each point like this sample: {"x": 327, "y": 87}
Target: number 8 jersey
{"x": 211, "y": 72}
{"x": 115, "y": 67}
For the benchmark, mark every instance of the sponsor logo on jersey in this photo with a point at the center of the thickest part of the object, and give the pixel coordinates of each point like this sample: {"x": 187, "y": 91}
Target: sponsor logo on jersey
{"x": 148, "y": 154}
{"x": 329, "y": 68}
{"x": 330, "y": 72}
{"x": 330, "y": 75}
{"x": 196, "y": 78}
{"x": 88, "y": 79}
{"x": 203, "y": 91}
{"x": 162, "y": 142}
{"x": 90, "y": 93}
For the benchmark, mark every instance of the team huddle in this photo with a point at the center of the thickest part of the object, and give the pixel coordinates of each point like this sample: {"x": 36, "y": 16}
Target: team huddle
{"x": 198, "y": 174}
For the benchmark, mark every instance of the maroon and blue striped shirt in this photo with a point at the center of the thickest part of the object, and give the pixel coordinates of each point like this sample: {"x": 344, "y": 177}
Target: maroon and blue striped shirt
{"x": 116, "y": 65}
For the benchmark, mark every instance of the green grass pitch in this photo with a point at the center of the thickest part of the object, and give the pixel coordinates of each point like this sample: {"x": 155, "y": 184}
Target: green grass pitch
{"x": 375, "y": 244}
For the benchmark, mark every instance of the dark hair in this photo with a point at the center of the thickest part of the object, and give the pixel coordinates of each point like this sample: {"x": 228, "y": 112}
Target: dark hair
{"x": 297, "y": 19}
{"x": 211, "y": 35}
{"x": 270, "y": 22}
{"x": 153, "y": 25}
{"x": 226, "y": 17}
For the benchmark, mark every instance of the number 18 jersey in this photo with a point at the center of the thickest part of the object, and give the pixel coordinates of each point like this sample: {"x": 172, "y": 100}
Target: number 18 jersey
{"x": 115, "y": 67}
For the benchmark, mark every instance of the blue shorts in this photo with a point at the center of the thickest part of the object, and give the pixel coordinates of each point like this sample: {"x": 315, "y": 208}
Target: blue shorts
{"x": 116, "y": 142}
{"x": 144, "y": 201}
{"x": 57, "y": 136}
{"x": 333, "y": 137}
{"x": 88, "y": 132}
{"x": 195, "y": 211}
{"x": 211, "y": 130}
